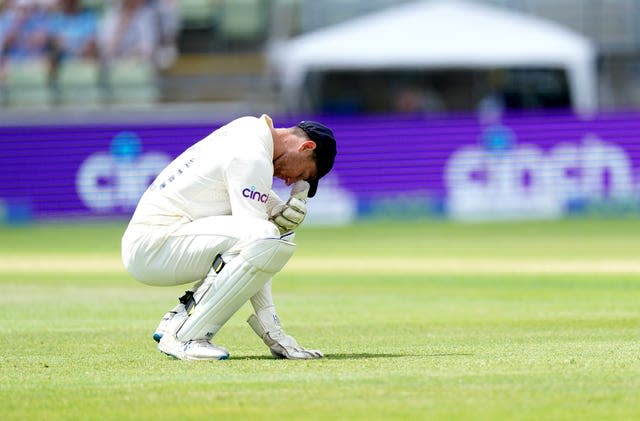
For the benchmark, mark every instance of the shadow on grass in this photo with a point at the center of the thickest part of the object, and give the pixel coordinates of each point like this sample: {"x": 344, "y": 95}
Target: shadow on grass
{"x": 359, "y": 356}
{"x": 365, "y": 355}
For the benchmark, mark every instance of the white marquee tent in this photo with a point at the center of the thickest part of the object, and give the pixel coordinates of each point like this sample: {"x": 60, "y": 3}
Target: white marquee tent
{"x": 439, "y": 34}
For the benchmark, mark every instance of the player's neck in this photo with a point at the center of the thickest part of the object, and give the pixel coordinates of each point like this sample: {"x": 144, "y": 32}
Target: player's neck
{"x": 278, "y": 136}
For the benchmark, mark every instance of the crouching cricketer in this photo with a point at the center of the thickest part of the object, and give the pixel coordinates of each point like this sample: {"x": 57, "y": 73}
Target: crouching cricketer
{"x": 211, "y": 218}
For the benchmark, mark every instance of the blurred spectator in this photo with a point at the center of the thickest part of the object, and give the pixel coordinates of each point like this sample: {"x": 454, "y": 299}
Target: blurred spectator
{"x": 47, "y": 6}
{"x": 408, "y": 100}
{"x": 23, "y": 36}
{"x": 492, "y": 105}
{"x": 128, "y": 30}
{"x": 168, "y": 15}
{"x": 73, "y": 31}
{"x": 128, "y": 39}
{"x": 414, "y": 99}
{"x": 72, "y": 37}
{"x": 23, "y": 30}
{"x": 4, "y": 21}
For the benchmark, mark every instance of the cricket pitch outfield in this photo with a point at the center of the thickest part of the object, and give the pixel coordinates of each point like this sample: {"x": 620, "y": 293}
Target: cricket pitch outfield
{"x": 423, "y": 320}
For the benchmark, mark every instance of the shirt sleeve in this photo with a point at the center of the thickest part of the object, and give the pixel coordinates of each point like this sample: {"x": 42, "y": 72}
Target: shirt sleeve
{"x": 249, "y": 183}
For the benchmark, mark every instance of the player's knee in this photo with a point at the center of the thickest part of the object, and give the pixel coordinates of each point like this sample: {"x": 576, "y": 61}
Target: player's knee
{"x": 268, "y": 254}
{"x": 265, "y": 229}
{"x": 253, "y": 229}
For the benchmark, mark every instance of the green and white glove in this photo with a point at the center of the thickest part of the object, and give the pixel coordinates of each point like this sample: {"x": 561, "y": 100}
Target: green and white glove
{"x": 267, "y": 327}
{"x": 288, "y": 216}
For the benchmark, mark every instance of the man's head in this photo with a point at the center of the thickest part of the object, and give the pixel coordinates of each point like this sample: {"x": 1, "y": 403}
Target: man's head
{"x": 325, "y": 152}
{"x": 308, "y": 154}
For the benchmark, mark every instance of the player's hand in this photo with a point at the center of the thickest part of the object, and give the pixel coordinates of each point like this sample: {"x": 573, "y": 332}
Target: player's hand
{"x": 285, "y": 346}
{"x": 281, "y": 344}
{"x": 287, "y": 217}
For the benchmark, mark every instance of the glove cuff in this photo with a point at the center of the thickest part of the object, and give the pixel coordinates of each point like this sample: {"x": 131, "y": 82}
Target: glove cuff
{"x": 269, "y": 318}
{"x": 273, "y": 201}
{"x": 266, "y": 324}
{"x": 260, "y": 330}
{"x": 257, "y": 326}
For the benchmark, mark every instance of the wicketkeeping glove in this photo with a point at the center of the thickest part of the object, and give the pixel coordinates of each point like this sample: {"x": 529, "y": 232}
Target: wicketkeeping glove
{"x": 280, "y": 344}
{"x": 290, "y": 215}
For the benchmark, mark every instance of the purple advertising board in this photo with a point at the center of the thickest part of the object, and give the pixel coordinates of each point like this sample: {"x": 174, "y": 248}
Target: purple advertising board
{"x": 522, "y": 166}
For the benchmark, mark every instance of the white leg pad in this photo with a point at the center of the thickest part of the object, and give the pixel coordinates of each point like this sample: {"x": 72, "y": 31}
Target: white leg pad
{"x": 238, "y": 281}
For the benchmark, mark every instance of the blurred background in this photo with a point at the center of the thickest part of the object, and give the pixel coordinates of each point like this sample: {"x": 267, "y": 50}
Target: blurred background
{"x": 464, "y": 110}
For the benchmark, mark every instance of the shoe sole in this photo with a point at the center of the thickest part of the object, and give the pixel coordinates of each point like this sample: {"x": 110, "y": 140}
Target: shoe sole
{"x": 187, "y": 358}
{"x": 224, "y": 357}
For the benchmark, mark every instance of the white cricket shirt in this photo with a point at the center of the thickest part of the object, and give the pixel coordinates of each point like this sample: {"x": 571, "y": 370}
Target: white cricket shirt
{"x": 229, "y": 172}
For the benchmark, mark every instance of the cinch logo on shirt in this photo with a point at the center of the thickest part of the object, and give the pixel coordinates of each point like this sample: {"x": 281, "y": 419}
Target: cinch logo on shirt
{"x": 253, "y": 194}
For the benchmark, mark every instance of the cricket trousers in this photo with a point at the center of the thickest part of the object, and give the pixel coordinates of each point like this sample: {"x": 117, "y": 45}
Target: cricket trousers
{"x": 184, "y": 251}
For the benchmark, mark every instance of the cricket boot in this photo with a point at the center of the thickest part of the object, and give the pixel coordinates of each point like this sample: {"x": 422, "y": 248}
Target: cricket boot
{"x": 192, "y": 350}
{"x": 167, "y": 320}
{"x": 174, "y": 318}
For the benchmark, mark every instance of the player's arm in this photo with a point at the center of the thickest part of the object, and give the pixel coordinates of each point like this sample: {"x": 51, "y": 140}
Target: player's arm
{"x": 265, "y": 322}
{"x": 250, "y": 193}
{"x": 249, "y": 186}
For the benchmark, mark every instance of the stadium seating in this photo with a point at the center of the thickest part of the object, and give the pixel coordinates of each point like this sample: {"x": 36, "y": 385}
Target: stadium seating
{"x": 92, "y": 4}
{"x": 26, "y": 83}
{"x": 199, "y": 13}
{"x": 131, "y": 82}
{"x": 243, "y": 20}
{"x": 77, "y": 83}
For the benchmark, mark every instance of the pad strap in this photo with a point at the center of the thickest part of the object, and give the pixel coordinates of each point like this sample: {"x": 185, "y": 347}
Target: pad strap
{"x": 218, "y": 264}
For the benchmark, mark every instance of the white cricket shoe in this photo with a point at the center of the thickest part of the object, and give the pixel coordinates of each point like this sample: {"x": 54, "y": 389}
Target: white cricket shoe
{"x": 170, "y": 322}
{"x": 195, "y": 349}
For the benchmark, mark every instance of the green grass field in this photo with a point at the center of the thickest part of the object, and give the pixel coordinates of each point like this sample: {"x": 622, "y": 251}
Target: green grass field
{"x": 420, "y": 320}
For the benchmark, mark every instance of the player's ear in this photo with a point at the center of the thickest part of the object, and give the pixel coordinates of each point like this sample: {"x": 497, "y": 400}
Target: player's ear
{"x": 307, "y": 145}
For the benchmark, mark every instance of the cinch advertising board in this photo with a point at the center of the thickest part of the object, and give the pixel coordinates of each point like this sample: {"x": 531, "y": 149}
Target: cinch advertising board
{"x": 540, "y": 166}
